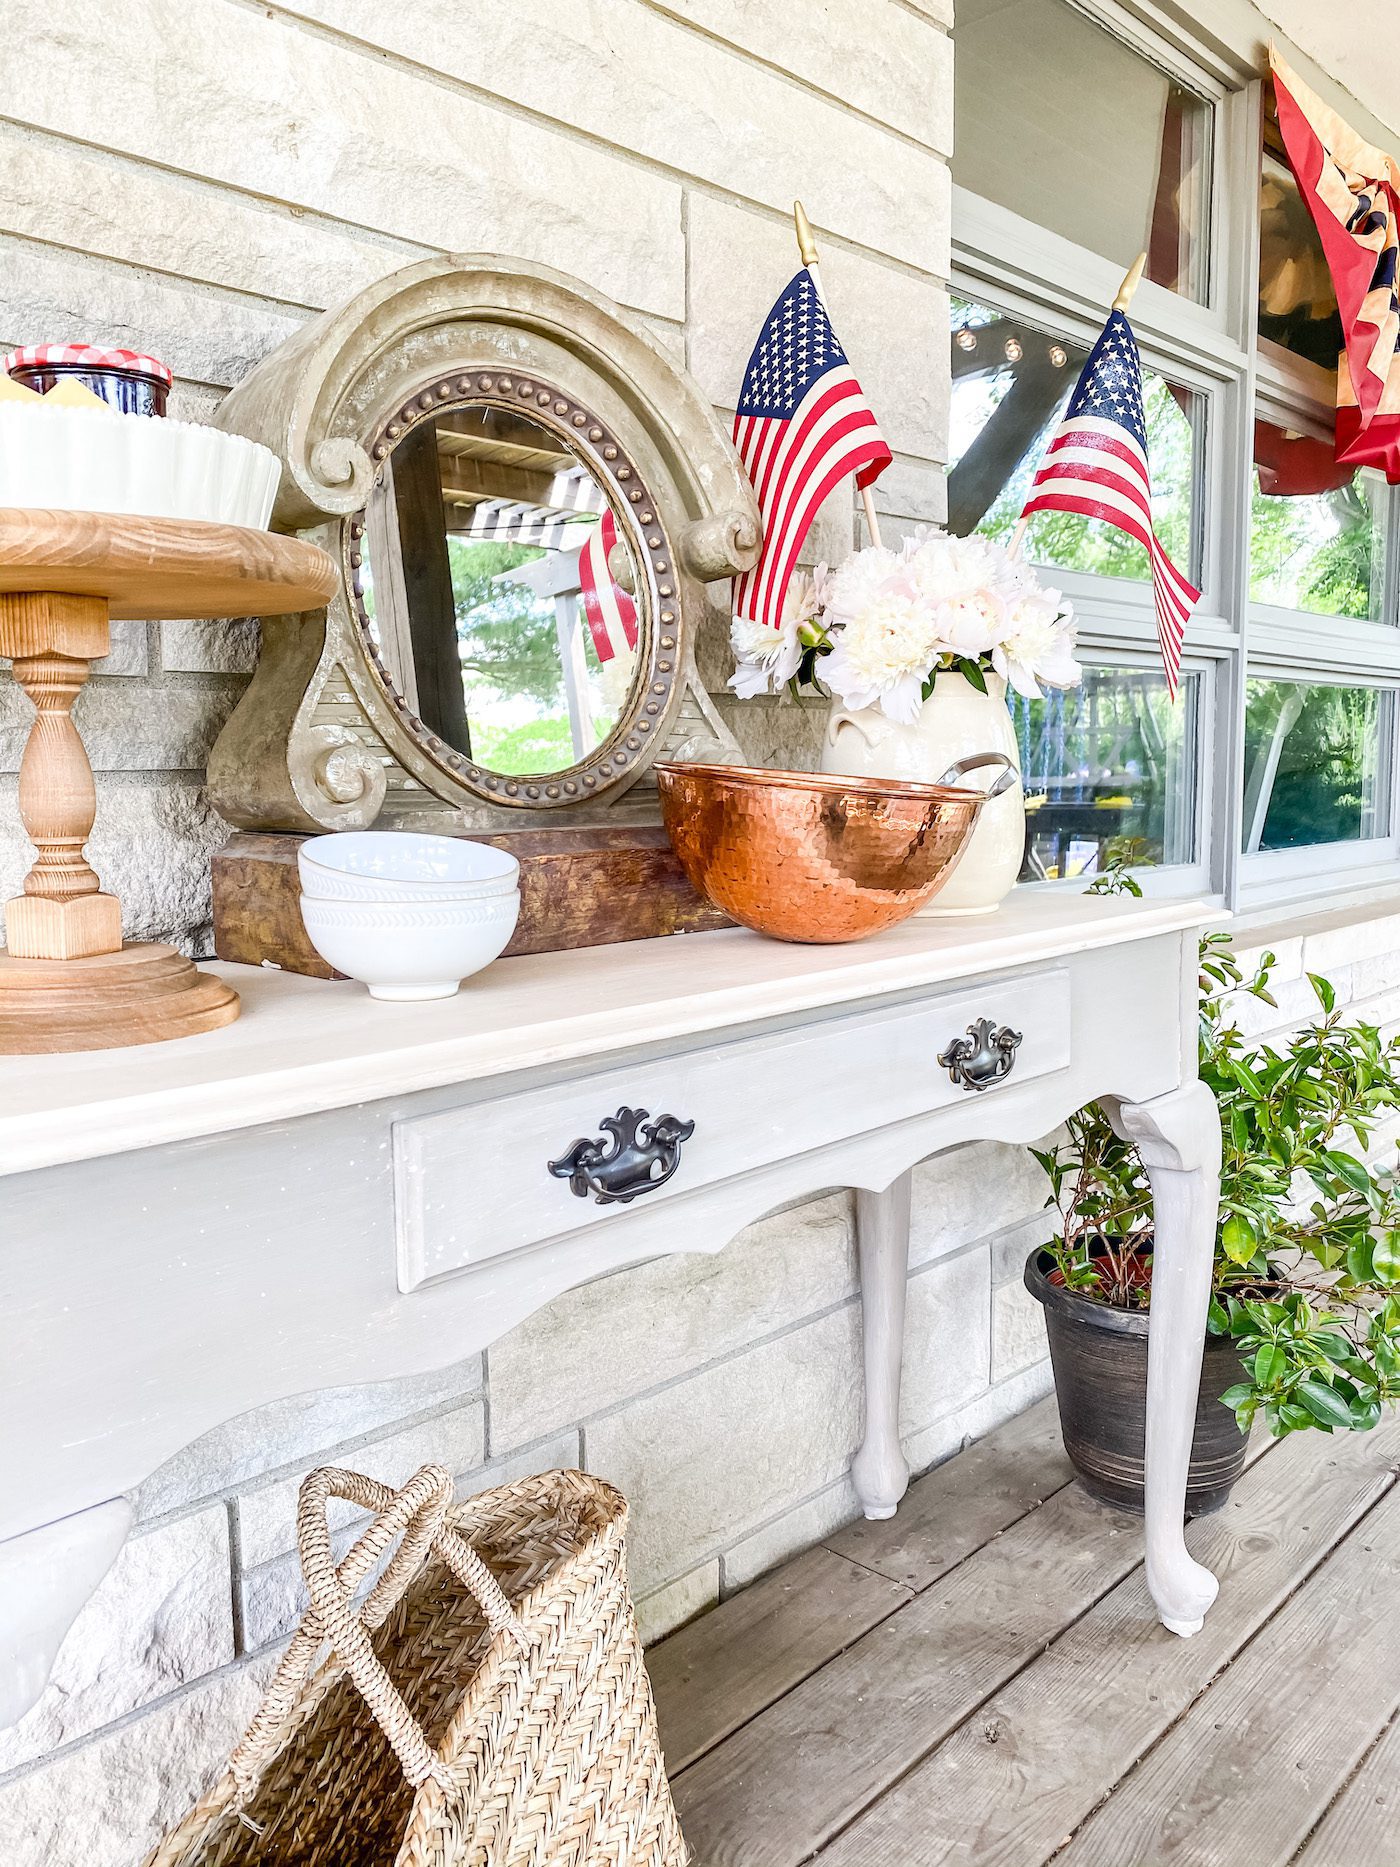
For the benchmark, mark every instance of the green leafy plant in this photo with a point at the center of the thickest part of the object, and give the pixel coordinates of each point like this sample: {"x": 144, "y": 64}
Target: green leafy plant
{"x": 1307, "y": 1261}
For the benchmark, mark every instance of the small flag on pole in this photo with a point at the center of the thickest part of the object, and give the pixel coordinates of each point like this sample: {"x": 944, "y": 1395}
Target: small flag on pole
{"x": 610, "y": 612}
{"x": 1096, "y": 465}
{"x": 801, "y": 426}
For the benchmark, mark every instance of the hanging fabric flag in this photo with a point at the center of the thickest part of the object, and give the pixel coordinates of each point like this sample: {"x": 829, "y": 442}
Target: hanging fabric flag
{"x": 610, "y": 611}
{"x": 801, "y": 426}
{"x": 1352, "y": 190}
{"x": 1096, "y": 464}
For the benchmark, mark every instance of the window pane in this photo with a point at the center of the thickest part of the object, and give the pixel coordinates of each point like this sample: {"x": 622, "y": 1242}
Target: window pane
{"x": 1011, "y": 382}
{"x": 1314, "y": 763}
{"x": 1060, "y": 122}
{"x": 1108, "y": 766}
{"x": 1297, "y": 302}
{"x": 1317, "y": 530}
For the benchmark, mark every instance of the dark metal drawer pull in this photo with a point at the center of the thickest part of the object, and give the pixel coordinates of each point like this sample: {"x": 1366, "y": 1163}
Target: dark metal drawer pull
{"x": 638, "y": 1147}
{"x": 985, "y": 1056}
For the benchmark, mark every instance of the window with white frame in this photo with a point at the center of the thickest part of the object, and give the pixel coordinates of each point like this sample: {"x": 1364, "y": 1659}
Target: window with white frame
{"x": 1107, "y": 767}
{"x": 1274, "y": 772}
{"x": 1322, "y": 652}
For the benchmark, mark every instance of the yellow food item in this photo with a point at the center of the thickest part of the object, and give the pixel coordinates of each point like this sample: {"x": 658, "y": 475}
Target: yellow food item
{"x": 12, "y": 391}
{"x": 68, "y": 392}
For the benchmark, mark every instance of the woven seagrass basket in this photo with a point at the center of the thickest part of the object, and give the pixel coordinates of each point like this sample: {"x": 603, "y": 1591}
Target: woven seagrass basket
{"x": 485, "y": 1703}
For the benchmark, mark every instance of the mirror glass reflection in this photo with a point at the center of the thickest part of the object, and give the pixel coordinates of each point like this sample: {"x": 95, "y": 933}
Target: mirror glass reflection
{"x": 500, "y": 592}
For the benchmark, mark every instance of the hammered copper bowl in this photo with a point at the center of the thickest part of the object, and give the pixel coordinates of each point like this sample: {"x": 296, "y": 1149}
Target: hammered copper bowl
{"x": 816, "y": 858}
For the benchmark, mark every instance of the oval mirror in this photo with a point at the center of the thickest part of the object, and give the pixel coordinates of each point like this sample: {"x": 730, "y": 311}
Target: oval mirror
{"x": 500, "y": 592}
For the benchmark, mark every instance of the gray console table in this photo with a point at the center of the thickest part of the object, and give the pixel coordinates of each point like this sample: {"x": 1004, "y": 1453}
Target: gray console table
{"x": 335, "y": 1191}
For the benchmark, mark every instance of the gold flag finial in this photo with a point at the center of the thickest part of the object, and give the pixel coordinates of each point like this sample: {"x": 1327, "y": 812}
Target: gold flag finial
{"x": 1130, "y": 283}
{"x": 806, "y": 244}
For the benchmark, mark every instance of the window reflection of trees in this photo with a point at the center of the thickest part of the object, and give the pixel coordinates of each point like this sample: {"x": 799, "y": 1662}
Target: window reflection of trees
{"x": 1318, "y": 551}
{"x": 1312, "y": 758}
{"x": 1104, "y": 765}
{"x": 1108, "y": 763}
{"x": 508, "y": 639}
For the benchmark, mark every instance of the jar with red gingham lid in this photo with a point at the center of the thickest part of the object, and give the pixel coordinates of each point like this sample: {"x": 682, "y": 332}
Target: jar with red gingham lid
{"x": 131, "y": 383}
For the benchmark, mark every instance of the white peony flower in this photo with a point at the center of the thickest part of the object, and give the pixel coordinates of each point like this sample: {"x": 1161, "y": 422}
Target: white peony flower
{"x": 766, "y": 659}
{"x": 804, "y": 595}
{"x": 893, "y": 616}
{"x": 864, "y": 577}
{"x": 883, "y": 656}
{"x": 1040, "y": 647}
{"x": 970, "y": 626}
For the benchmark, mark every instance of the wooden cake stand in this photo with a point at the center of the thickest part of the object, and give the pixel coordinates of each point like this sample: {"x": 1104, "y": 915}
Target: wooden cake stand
{"x": 67, "y": 982}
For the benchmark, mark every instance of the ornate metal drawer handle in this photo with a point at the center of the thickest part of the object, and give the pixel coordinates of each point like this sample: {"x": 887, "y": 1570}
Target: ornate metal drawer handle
{"x": 985, "y": 1056}
{"x": 638, "y": 1146}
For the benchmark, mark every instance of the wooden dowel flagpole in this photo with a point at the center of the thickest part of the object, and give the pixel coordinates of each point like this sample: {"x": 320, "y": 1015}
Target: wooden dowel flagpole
{"x": 807, "y": 247}
{"x": 1132, "y": 278}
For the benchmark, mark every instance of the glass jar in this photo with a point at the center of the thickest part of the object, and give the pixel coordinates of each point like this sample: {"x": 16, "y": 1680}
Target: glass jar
{"x": 128, "y": 382}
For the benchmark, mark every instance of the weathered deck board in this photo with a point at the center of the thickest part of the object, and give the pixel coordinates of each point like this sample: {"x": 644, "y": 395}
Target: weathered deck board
{"x": 1007, "y": 1788}
{"x": 725, "y": 1668}
{"x": 1247, "y": 1774}
{"x": 1362, "y": 1828}
{"x": 1025, "y": 1706}
{"x": 958, "y": 1506}
{"x": 729, "y": 1665}
{"x": 792, "y": 1777}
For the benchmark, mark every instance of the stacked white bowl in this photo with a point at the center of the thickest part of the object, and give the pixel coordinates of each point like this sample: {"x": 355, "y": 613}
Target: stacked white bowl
{"x": 409, "y": 915}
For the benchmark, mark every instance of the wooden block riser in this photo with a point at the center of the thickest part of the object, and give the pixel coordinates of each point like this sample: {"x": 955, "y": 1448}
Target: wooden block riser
{"x": 578, "y": 888}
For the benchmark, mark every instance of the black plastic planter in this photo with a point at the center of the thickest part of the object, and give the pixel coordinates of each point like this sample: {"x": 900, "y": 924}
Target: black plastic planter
{"x": 1099, "y": 1355}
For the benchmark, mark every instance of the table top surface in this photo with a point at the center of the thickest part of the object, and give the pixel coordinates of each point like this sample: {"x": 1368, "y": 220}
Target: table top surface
{"x": 305, "y": 1045}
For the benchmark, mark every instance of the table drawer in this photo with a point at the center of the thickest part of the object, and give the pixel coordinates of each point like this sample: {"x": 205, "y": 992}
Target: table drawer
{"x": 474, "y": 1183}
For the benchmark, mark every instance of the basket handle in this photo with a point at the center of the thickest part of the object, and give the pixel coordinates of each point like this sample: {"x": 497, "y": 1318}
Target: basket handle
{"x": 416, "y": 1515}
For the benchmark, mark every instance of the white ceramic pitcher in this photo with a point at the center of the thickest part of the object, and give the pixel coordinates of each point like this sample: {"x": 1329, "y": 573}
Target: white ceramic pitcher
{"x": 955, "y": 722}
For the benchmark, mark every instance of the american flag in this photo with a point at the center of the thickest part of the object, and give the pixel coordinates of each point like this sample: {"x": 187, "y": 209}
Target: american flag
{"x": 610, "y": 612}
{"x": 802, "y": 423}
{"x": 1096, "y": 465}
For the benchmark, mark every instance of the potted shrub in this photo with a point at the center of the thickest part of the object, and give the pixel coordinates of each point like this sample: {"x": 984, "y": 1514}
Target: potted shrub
{"x": 1305, "y": 1304}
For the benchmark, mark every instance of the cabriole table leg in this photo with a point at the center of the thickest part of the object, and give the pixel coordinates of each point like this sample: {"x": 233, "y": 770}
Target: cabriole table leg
{"x": 1178, "y": 1137}
{"x": 46, "y": 1577}
{"x": 879, "y": 1471}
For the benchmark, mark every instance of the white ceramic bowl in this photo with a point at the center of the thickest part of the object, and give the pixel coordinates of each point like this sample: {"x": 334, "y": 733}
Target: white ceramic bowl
{"x": 400, "y": 865}
{"x": 411, "y": 949}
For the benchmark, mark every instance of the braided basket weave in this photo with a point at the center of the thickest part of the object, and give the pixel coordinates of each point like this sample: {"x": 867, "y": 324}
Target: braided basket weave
{"x": 485, "y": 1704}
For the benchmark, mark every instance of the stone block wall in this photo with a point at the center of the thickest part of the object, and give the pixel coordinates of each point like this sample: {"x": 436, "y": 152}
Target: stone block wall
{"x": 198, "y": 177}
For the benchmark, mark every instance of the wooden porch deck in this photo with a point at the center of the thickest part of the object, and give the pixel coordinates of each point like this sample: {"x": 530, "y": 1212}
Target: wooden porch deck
{"x": 982, "y": 1680}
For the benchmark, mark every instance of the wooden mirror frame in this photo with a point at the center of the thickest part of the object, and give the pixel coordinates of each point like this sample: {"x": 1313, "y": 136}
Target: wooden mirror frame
{"x": 321, "y": 740}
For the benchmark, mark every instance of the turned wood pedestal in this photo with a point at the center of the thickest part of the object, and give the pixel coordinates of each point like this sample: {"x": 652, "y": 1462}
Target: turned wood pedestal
{"x": 66, "y": 980}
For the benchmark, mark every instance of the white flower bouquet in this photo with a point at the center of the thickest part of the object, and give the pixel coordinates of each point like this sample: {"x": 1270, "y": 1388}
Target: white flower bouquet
{"x": 878, "y": 631}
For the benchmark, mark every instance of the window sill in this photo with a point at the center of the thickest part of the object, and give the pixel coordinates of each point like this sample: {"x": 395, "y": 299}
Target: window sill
{"x": 1324, "y": 910}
